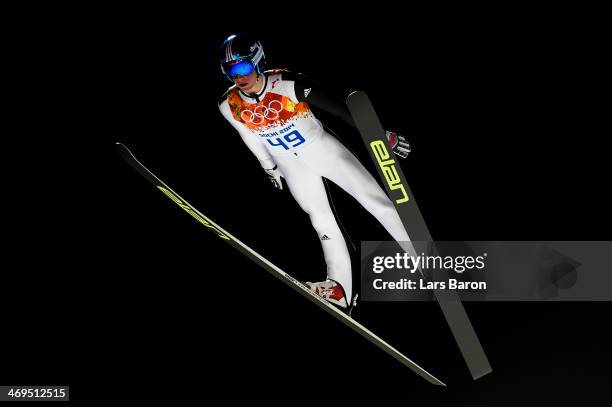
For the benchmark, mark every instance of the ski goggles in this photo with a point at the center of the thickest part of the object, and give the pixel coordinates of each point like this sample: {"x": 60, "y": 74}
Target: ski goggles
{"x": 242, "y": 68}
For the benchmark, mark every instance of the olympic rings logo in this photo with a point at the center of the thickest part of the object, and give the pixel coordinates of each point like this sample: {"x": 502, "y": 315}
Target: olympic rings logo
{"x": 261, "y": 112}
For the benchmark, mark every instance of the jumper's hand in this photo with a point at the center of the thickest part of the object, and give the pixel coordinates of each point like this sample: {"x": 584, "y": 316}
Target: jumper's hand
{"x": 398, "y": 144}
{"x": 274, "y": 175}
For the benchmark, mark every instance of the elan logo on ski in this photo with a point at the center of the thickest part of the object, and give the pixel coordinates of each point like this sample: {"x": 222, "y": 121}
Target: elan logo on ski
{"x": 192, "y": 212}
{"x": 387, "y": 165}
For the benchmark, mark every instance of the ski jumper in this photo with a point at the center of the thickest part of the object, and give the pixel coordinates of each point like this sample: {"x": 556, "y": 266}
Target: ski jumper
{"x": 279, "y": 128}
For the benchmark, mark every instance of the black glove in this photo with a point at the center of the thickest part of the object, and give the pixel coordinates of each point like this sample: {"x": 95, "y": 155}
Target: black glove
{"x": 398, "y": 144}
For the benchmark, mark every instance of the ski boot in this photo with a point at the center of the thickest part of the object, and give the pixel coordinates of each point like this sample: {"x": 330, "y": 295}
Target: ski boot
{"x": 332, "y": 292}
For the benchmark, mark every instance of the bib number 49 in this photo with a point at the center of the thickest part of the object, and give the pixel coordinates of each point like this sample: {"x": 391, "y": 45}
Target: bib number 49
{"x": 292, "y": 139}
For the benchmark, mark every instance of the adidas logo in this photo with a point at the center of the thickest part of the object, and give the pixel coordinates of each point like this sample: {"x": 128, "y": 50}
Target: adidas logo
{"x": 307, "y": 92}
{"x": 325, "y": 237}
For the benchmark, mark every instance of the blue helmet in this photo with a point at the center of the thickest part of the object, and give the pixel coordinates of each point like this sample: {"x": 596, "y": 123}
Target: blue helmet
{"x": 241, "y": 55}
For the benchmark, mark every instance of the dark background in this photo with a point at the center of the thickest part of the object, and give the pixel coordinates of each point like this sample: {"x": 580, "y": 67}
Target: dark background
{"x": 111, "y": 288}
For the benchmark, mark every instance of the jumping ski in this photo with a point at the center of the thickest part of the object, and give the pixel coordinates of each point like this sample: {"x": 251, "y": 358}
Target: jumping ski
{"x": 393, "y": 179}
{"x": 298, "y": 286}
